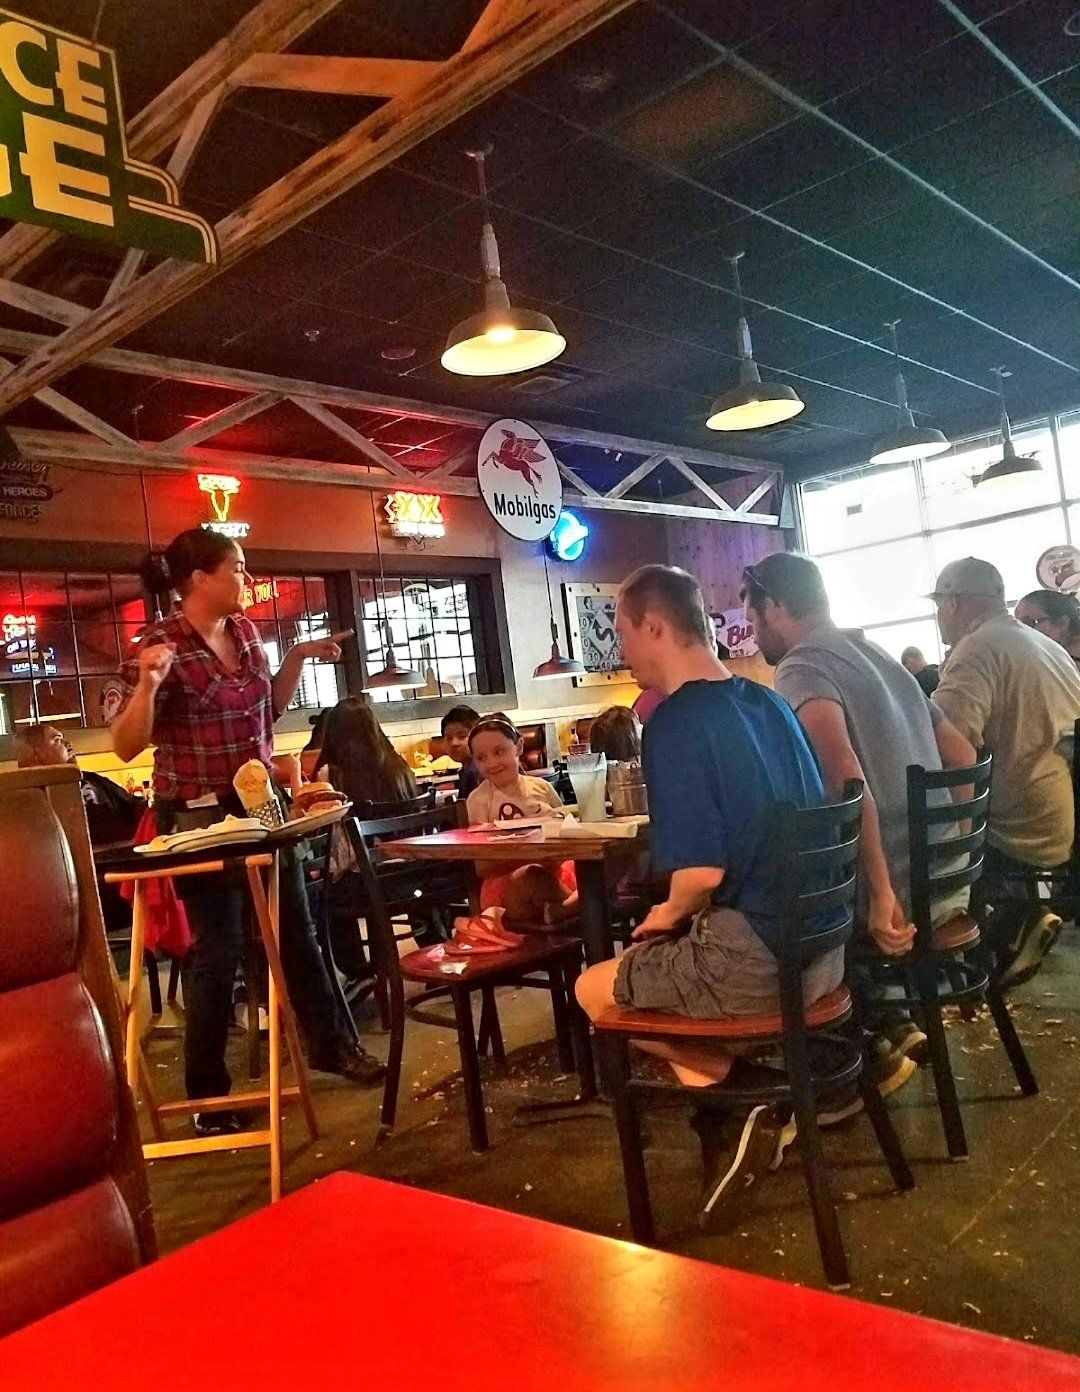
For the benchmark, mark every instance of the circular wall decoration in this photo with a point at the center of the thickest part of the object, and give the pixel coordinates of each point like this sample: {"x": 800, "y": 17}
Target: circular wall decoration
{"x": 1059, "y": 569}
{"x": 519, "y": 480}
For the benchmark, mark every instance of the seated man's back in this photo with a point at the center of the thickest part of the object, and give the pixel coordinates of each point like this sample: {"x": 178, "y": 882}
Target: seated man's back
{"x": 1017, "y": 693}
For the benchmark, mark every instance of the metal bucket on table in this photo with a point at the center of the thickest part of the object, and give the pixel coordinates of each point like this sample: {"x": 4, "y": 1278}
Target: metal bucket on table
{"x": 626, "y": 788}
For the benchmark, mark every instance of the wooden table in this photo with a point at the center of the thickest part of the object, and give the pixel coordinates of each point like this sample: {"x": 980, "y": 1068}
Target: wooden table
{"x": 589, "y": 854}
{"x": 258, "y": 861}
{"x": 270, "y": 1303}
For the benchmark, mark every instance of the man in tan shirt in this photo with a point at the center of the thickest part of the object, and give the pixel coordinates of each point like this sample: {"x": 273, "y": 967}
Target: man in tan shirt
{"x": 1008, "y": 689}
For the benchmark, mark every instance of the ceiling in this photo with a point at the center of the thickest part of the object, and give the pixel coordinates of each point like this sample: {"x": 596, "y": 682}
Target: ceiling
{"x": 623, "y": 172}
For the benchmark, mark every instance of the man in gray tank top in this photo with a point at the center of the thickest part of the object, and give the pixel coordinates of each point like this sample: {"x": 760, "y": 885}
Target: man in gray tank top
{"x": 867, "y": 718}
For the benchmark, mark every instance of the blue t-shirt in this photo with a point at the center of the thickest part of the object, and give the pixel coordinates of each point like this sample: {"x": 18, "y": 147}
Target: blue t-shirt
{"x": 719, "y": 756}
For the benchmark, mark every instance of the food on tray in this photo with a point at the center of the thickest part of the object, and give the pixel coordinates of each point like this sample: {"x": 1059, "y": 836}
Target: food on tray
{"x": 228, "y": 826}
{"x": 316, "y": 797}
{"x": 252, "y": 784}
{"x": 444, "y": 764}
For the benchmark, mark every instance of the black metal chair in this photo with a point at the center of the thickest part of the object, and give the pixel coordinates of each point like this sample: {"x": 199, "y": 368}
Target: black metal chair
{"x": 935, "y": 974}
{"x": 549, "y": 962}
{"x": 821, "y": 1045}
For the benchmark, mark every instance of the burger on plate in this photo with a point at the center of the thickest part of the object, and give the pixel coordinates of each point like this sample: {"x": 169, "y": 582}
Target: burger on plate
{"x": 316, "y": 797}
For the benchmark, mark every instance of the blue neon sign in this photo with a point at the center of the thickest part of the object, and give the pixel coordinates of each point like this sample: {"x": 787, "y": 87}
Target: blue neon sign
{"x": 568, "y": 537}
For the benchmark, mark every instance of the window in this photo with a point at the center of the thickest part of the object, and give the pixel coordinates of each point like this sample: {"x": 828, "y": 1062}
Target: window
{"x": 290, "y": 609}
{"x": 880, "y": 535}
{"x": 433, "y": 627}
{"x": 64, "y": 635}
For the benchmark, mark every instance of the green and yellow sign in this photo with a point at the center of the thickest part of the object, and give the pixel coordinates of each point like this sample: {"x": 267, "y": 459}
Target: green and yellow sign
{"x": 63, "y": 150}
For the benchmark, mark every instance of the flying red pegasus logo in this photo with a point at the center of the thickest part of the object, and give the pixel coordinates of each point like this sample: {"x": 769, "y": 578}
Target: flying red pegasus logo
{"x": 517, "y": 454}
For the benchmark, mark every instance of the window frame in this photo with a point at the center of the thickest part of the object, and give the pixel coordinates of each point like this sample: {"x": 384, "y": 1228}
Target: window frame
{"x": 926, "y": 534}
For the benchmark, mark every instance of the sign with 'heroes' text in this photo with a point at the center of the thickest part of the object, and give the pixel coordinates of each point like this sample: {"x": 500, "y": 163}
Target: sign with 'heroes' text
{"x": 519, "y": 480}
{"x": 64, "y": 161}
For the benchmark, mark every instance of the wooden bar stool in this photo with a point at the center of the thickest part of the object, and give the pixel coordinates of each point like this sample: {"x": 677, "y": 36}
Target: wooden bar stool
{"x": 261, "y": 870}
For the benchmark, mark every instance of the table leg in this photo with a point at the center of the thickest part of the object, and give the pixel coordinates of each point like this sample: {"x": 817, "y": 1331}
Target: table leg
{"x": 138, "y": 945}
{"x": 595, "y": 911}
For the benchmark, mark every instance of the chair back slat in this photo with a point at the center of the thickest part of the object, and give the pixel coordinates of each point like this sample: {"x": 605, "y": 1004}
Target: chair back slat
{"x": 941, "y": 864}
{"x": 815, "y": 852}
{"x": 396, "y": 807}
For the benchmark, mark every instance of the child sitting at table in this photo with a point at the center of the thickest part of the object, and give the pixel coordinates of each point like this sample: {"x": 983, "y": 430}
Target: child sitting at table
{"x": 531, "y": 894}
{"x": 616, "y": 733}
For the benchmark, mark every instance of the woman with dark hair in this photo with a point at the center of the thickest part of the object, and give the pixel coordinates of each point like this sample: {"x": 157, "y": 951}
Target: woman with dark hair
{"x": 201, "y": 691}
{"x": 616, "y": 733}
{"x": 359, "y": 758}
{"x": 311, "y": 754}
{"x": 1055, "y": 615}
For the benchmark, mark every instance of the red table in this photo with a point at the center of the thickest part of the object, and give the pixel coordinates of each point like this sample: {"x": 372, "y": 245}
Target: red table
{"x": 354, "y": 1282}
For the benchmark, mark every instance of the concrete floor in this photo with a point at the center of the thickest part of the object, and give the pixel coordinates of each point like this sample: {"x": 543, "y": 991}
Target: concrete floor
{"x": 990, "y": 1243}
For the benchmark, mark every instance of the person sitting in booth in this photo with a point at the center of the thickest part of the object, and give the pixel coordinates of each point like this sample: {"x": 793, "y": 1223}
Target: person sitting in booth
{"x": 532, "y": 895}
{"x": 720, "y": 753}
{"x": 455, "y": 727}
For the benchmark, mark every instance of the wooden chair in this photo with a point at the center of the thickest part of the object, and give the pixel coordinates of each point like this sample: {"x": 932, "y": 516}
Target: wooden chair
{"x": 547, "y": 961}
{"x": 933, "y": 975}
{"x": 822, "y": 1049}
{"x": 74, "y": 1205}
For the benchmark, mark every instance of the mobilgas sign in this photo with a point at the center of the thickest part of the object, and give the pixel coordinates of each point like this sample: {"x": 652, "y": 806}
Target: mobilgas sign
{"x": 63, "y": 149}
{"x": 519, "y": 480}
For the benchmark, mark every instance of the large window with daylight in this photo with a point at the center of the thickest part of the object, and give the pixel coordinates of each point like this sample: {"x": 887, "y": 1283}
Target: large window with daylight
{"x": 433, "y": 627}
{"x": 64, "y": 634}
{"x": 881, "y": 534}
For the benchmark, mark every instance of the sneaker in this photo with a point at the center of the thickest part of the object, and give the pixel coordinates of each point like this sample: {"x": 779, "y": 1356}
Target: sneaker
{"x": 727, "y": 1186}
{"x": 890, "y": 1071}
{"x": 1028, "y": 950}
{"x": 216, "y": 1123}
{"x": 351, "y": 1062}
{"x": 907, "y": 1040}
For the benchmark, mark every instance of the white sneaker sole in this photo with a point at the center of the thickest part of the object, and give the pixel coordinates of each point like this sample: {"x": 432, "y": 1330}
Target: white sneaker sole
{"x": 893, "y": 1083}
{"x": 1040, "y": 941}
{"x": 749, "y": 1127}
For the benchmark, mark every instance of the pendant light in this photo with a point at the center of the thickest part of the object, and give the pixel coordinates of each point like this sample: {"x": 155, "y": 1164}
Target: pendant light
{"x": 556, "y": 665}
{"x": 1011, "y": 466}
{"x": 391, "y": 674}
{"x": 499, "y": 339}
{"x": 908, "y": 441}
{"x": 753, "y": 404}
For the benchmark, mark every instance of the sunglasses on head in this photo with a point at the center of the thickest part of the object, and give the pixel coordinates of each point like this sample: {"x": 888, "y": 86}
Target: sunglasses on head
{"x": 751, "y": 582}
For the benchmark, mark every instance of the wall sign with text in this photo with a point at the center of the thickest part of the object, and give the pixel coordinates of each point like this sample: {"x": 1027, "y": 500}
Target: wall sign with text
{"x": 590, "y": 613}
{"x": 64, "y": 162}
{"x": 519, "y": 480}
{"x": 417, "y": 516}
{"x": 221, "y": 489}
{"x": 24, "y": 489}
{"x": 735, "y": 632}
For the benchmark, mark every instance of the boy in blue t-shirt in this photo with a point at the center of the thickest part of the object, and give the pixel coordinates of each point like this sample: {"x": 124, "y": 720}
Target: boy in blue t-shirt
{"x": 720, "y": 753}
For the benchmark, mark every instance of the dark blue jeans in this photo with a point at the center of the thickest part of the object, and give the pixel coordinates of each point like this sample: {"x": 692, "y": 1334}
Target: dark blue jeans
{"x": 220, "y": 914}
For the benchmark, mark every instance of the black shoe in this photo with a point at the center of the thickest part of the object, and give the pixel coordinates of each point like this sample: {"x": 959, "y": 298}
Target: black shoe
{"x": 728, "y": 1184}
{"x": 906, "y": 1038}
{"x": 1028, "y": 950}
{"x": 216, "y": 1123}
{"x": 353, "y": 1063}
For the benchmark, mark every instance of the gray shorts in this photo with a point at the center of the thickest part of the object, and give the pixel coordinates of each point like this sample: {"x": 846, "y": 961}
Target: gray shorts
{"x": 719, "y": 969}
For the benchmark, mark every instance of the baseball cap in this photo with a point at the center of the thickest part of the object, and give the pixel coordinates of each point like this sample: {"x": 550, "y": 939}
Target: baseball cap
{"x": 969, "y": 576}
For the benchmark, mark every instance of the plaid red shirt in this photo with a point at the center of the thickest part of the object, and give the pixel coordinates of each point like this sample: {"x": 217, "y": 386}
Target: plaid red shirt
{"x": 207, "y": 721}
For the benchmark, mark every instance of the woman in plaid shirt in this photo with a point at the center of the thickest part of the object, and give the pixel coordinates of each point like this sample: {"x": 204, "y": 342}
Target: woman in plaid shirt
{"x": 201, "y": 691}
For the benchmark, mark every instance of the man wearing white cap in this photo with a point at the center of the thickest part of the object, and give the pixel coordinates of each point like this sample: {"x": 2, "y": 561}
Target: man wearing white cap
{"x": 1012, "y": 691}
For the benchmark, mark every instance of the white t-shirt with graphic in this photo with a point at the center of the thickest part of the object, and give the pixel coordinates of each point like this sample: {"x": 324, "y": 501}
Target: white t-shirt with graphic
{"x": 487, "y": 803}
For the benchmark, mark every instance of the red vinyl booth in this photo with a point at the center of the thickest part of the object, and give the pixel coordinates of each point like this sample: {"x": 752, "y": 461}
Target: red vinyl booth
{"x": 74, "y": 1206}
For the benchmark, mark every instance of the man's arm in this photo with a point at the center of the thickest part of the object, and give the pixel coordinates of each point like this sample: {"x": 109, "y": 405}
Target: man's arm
{"x": 826, "y": 729}
{"x": 965, "y": 696}
{"x": 690, "y": 892}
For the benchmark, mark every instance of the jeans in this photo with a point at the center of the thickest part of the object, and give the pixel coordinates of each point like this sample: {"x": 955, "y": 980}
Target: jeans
{"x": 219, "y": 910}
{"x": 1007, "y": 889}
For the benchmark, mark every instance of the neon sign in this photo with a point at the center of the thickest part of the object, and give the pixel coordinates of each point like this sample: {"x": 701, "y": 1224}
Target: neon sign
{"x": 417, "y": 515}
{"x": 25, "y": 658}
{"x": 221, "y": 489}
{"x": 261, "y": 592}
{"x": 568, "y": 537}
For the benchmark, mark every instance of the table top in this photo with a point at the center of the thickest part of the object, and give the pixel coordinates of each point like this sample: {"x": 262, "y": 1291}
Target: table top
{"x": 515, "y": 1304}
{"x": 470, "y": 843}
{"x": 118, "y": 857}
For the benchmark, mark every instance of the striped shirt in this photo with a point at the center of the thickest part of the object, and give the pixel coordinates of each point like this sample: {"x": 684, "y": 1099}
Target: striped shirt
{"x": 207, "y": 720}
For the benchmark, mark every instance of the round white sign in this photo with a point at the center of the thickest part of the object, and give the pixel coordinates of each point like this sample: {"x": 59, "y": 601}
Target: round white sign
{"x": 1059, "y": 569}
{"x": 519, "y": 480}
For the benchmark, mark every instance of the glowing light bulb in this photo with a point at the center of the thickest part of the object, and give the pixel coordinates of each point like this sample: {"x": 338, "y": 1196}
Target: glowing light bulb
{"x": 501, "y": 333}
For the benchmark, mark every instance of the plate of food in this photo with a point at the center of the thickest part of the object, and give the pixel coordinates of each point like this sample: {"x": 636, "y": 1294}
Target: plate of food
{"x": 224, "y": 833}
{"x": 315, "y": 805}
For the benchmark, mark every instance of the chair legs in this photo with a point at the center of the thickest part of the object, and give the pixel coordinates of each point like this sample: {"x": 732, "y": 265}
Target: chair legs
{"x": 490, "y": 1029}
{"x": 815, "y": 1171}
{"x": 1011, "y": 1040}
{"x": 944, "y": 1082}
{"x": 561, "y": 1013}
{"x": 392, "y": 1083}
{"x": 615, "y": 1069}
{"x": 887, "y": 1139}
{"x": 470, "y": 1069}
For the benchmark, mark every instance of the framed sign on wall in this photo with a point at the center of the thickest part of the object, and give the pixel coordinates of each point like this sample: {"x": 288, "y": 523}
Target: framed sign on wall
{"x": 590, "y": 613}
